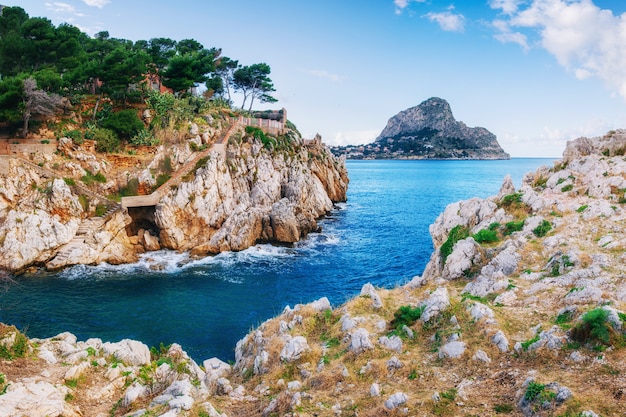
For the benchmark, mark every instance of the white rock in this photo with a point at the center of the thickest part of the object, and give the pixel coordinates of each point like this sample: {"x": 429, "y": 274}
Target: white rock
{"x": 391, "y": 343}
{"x": 481, "y": 356}
{"x": 360, "y": 341}
{"x": 131, "y": 352}
{"x": 438, "y": 301}
{"x": 375, "y": 390}
{"x": 294, "y": 348}
{"x": 396, "y": 400}
{"x": 368, "y": 290}
{"x": 454, "y": 349}
{"x": 500, "y": 340}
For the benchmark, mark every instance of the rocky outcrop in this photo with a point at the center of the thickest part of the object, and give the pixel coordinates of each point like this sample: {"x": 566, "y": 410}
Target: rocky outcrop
{"x": 255, "y": 195}
{"x": 429, "y": 130}
{"x": 254, "y": 192}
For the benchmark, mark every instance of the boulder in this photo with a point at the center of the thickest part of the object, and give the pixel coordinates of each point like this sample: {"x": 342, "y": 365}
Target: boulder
{"x": 360, "y": 341}
{"x": 131, "y": 352}
{"x": 294, "y": 348}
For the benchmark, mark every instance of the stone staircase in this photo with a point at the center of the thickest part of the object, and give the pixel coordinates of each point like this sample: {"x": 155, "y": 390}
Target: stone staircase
{"x": 176, "y": 179}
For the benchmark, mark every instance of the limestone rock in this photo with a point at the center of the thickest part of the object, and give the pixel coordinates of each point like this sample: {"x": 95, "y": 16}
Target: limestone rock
{"x": 128, "y": 351}
{"x": 368, "y": 290}
{"x": 360, "y": 341}
{"x": 438, "y": 301}
{"x": 396, "y": 400}
{"x": 294, "y": 348}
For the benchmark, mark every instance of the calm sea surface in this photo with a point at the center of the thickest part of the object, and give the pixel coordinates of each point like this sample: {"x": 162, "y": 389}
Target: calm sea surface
{"x": 380, "y": 236}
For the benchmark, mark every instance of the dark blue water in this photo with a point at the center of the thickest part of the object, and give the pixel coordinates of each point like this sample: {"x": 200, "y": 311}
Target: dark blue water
{"x": 379, "y": 236}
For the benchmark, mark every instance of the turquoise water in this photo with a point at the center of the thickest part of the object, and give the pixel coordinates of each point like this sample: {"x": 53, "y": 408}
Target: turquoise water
{"x": 380, "y": 236}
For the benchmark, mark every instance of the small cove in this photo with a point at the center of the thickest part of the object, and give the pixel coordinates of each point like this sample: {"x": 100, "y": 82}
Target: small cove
{"x": 380, "y": 236}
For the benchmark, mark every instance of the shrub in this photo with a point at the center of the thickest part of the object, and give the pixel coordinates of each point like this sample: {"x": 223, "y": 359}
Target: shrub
{"x": 17, "y": 350}
{"x": 75, "y": 135}
{"x": 541, "y": 182}
{"x": 568, "y": 187}
{"x": 89, "y": 178}
{"x": 131, "y": 188}
{"x": 406, "y": 315}
{"x": 457, "y": 233}
{"x": 511, "y": 199}
{"x": 162, "y": 179}
{"x": 486, "y": 236}
{"x": 143, "y": 138}
{"x": 533, "y": 390}
{"x": 106, "y": 140}
{"x": 542, "y": 229}
{"x": 593, "y": 326}
{"x": 70, "y": 181}
{"x": 125, "y": 123}
{"x": 581, "y": 208}
{"x": 512, "y": 227}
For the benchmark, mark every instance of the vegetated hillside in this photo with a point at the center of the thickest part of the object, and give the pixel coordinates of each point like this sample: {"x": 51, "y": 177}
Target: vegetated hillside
{"x": 519, "y": 312}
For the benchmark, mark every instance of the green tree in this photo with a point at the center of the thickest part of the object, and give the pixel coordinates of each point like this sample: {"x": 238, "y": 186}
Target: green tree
{"x": 11, "y": 97}
{"x": 223, "y": 79}
{"x": 254, "y": 82}
{"x": 125, "y": 123}
{"x": 121, "y": 69}
{"x": 190, "y": 66}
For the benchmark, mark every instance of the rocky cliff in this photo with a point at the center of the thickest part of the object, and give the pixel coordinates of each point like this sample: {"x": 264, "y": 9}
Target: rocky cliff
{"x": 521, "y": 311}
{"x": 429, "y": 130}
{"x": 272, "y": 191}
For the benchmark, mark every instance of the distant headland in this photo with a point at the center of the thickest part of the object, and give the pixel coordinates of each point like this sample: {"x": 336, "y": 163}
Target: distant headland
{"x": 427, "y": 131}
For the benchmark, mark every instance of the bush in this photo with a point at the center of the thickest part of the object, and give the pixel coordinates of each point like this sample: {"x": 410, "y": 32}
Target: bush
{"x": 406, "y": 315}
{"x": 106, "y": 140}
{"x": 486, "y": 236}
{"x": 593, "y": 326}
{"x": 533, "y": 390}
{"x": 512, "y": 227}
{"x": 457, "y": 233}
{"x": 125, "y": 123}
{"x": 75, "y": 135}
{"x": 568, "y": 187}
{"x": 542, "y": 229}
{"x": 143, "y": 138}
{"x": 131, "y": 188}
{"x": 511, "y": 199}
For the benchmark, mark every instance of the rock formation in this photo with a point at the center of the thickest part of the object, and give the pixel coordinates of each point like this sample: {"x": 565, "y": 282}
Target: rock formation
{"x": 521, "y": 311}
{"x": 429, "y": 131}
{"x": 253, "y": 192}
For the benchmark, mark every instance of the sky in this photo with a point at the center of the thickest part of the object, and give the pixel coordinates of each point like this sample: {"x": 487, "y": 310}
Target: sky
{"x": 536, "y": 73}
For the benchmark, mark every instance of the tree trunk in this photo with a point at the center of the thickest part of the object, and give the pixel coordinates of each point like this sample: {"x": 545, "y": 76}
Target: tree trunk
{"x": 26, "y": 120}
{"x": 95, "y": 108}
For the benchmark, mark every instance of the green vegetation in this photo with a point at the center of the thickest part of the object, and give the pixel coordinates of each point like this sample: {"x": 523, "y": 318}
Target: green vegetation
{"x": 527, "y": 343}
{"x": 89, "y": 178}
{"x": 457, "y": 233}
{"x": 582, "y": 208}
{"x": 533, "y": 390}
{"x": 542, "y": 229}
{"x": 18, "y": 349}
{"x": 503, "y": 408}
{"x": 593, "y": 327}
{"x": 513, "y": 226}
{"x": 486, "y": 236}
{"x": 568, "y": 187}
{"x": 43, "y": 64}
{"x": 511, "y": 199}
{"x": 406, "y": 316}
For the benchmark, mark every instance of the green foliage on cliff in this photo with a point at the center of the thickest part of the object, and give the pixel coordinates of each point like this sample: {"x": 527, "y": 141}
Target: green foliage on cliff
{"x": 457, "y": 233}
{"x": 542, "y": 229}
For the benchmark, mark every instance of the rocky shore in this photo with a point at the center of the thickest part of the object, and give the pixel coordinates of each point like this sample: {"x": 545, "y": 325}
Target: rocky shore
{"x": 251, "y": 191}
{"x": 519, "y": 312}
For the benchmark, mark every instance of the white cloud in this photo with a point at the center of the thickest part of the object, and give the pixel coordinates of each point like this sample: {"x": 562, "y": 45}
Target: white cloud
{"x": 359, "y": 137}
{"x": 324, "y": 74}
{"x": 448, "y": 21}
{"x": 58, "y": 7}
{"x": 506, "y": 34}
{"x": 97, "y": 3}
{"x": 507, "y": 6}
{"x": 403, "y": 4}
{"x": 585, "y": 39}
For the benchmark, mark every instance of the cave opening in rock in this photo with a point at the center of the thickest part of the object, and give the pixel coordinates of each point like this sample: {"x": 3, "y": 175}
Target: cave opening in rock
{"x": 143, "y": 218}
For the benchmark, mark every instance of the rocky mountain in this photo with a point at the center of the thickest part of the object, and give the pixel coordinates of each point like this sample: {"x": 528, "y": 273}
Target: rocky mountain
{"x": 429, "y": 131}
{"x": 250, "y": 192}
{"x": 521, "y": 311}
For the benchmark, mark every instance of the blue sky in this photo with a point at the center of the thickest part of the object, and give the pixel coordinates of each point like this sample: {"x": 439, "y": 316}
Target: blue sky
{"x": 536, "y": 73}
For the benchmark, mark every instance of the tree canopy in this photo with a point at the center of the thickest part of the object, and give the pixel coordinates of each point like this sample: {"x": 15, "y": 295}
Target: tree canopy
{"x": 65, "y": 61}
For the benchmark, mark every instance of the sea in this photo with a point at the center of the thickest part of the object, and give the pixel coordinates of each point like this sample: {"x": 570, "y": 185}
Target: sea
{"x": 380, "y": 235}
